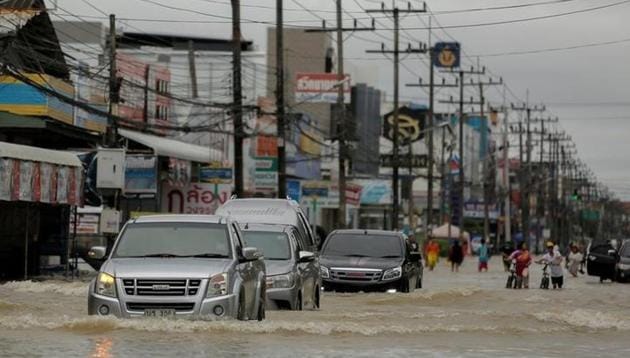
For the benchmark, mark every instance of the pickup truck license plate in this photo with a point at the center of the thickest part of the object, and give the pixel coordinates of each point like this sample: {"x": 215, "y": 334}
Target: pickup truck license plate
{"x": 159, "y": 313}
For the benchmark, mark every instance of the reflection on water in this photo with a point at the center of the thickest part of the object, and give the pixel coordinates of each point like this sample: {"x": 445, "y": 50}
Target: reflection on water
{"x": 103, "y": 348}
{"x": 466, "y": 314}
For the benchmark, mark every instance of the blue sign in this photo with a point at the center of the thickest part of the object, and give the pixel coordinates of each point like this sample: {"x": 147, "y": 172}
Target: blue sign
{"x": 141, "y": 174}
{"x": 319, "y": 192}
{"x": 294, "y": 190}
{"x": 446, "y": 54}
{"x": 215, "y": 175}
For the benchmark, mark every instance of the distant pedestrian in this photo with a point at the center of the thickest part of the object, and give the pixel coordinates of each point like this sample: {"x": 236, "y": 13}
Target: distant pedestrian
{"x": 433, "y": 253}
{"x": 523, "y": 259}
{"x": 506, "y": 251}
{"x": 456, "y": 256}
{"x": 484, "y": 256}
{"x": 574, "y": 260}
{"x": 553, "y": 258}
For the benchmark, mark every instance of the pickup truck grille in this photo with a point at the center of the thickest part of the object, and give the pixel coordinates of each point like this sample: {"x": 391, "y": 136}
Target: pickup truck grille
{"x": 160, "y": 287}
{"x": 359, "y": 275}
{"x": 177, "y": 306}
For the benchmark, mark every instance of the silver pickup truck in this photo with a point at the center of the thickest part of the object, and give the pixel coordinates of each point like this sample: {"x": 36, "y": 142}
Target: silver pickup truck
{"x": 179, "y": 265}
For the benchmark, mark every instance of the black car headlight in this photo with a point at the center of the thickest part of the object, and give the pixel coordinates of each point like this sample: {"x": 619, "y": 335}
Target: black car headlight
{"x": 392, "y": 273}
{"x": 324, "y": 272}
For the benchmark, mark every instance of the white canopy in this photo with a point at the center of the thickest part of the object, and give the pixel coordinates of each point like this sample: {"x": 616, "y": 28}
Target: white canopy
{"x": 167, "y": 147}
{"x": 35, "y": 154}
{"x": 442, "y": 232}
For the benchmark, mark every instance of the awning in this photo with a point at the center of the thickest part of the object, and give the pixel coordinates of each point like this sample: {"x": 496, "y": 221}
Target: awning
{"x": 40, "y": 175}
{"x": 35, "y": 154}
{"x": 167, "y": 147}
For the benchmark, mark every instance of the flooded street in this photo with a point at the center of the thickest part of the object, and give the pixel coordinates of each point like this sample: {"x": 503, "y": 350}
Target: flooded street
{"x": 464, "y": 314}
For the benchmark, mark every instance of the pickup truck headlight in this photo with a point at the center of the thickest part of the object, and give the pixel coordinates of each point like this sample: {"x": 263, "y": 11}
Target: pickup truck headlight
{"x": 280, "y": 281}
{"x": 393, "y": 273}
{"x": 105, "y": 285}
{"x": 217, "y": 285}
{"x": 324, "y": 272}
{"x": 624, "y": 266}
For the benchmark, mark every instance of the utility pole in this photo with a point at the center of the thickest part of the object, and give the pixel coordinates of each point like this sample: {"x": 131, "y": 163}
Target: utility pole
{"x": 396, "y": 12}
{"x": 237, "y": 108}
{"x": 430, "y": 124}
{"x": 280, "y": 113}
{"x": 341, "y": 106}
{"x": 114, "y": 90}
{"x": 526, "y": 167}
{"x": 462, "y": 119}
{"x": 192, "y": 68}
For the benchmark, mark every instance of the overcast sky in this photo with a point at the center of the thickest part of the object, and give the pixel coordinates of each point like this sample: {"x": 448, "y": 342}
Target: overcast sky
{"x": 586, "y": 87}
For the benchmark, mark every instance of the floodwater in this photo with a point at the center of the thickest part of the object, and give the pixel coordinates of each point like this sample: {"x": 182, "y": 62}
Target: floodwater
{"x": 465, "y": 314}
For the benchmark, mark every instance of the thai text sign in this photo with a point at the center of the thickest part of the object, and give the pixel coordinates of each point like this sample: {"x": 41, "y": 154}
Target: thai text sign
{"x": 194, "y": 198}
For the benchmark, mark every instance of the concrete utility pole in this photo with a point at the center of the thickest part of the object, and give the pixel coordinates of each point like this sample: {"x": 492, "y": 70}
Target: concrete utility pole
{"x": 430, "y": 124}
{"x": 114, "y": 90}
{"x": 462, "y": 119}
{"x": 526, "y": 167}
{"x": 341, "y": 106}
{"x": 395, "y": 12}
{"x": 237, "y": 105}
{"x": 280, "y": 113}
{"x": 192, "y": 69}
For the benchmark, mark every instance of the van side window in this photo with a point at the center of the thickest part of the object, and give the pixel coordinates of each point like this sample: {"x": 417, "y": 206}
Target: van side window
{"x": 302, "y": 243}
{"x": 307, "y": 229}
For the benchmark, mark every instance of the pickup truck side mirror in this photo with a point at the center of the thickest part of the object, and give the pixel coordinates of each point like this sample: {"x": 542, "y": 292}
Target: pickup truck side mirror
{"x": 251, "y": 254}
{"x": 97, "y": 252}
{"x": 306, "y": 256}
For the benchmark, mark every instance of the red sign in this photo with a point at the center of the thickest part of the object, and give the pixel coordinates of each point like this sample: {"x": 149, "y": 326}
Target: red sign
{"x": 353, "y": 194}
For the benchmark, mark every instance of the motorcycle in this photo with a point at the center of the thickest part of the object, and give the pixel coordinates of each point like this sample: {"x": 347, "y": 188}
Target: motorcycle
{"x": 511, "y": 281}
{"x": 544, "y": 282}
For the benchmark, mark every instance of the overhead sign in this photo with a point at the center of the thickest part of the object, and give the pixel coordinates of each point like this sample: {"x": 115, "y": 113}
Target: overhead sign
{"x": 416, "y": 161}
{"x": 141, "y": 174}
{"x": 215, "y": 175}
{"x": 410, "y": 125}
{"x": 320, "y": 87}
{"x": 446, "y": 54}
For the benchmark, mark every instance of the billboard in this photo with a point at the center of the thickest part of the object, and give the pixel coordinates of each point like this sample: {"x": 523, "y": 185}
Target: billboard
{"x": 411, "y": 123}
{"x": 320, "y": 87}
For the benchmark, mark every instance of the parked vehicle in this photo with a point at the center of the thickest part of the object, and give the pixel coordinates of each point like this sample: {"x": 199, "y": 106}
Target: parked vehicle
{"x": 623, "y": 262}
{"x": 178, "y": 265}
{"x": 272, "y": 211}
{"x": 370, "y": 260}
{"x": 293, "y": 280}
{"x": 601, "y": 260}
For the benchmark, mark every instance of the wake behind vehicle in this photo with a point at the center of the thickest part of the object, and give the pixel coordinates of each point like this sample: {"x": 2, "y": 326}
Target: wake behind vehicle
{"x": 370, "y": 260}
{"x": 293, "y": 280}
{"x": 179, "y": 265}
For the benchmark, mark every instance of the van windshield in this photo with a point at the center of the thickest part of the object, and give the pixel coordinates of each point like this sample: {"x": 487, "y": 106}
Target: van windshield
{"x": 274, "y": 245}
{"x": 174, "y": 239}
{"x": 359, "y": 245}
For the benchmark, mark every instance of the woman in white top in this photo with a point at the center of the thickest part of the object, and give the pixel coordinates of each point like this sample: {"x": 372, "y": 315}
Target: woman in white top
{"x": 575, "y": 259}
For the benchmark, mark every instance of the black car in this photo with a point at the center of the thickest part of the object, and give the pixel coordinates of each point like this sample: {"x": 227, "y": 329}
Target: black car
{"x": 370, "y": 260}
{"x": 601, "y": 260}
{"x": 623, "y": 262}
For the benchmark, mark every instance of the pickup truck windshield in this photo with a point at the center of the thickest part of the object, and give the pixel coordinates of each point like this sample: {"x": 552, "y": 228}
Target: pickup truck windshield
{"x": 274, "y": 245}
{"x": 359, "y": 245}
{"x": 174, "y": 239}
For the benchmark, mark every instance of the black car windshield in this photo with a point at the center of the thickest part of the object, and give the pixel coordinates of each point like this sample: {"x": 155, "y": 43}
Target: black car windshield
{"x": 359, "y": 245}
{"x": 274, "y": 245}
{"x": 174, "y": 239}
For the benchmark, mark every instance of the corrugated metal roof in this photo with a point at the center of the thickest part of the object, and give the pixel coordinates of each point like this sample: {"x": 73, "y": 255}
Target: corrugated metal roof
{"x": 173, "y": 148}
{"x": 35, "y": 154}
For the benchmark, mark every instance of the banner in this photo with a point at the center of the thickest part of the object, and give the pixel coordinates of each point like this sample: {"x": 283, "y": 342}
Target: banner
{"x": 320, "y": 87}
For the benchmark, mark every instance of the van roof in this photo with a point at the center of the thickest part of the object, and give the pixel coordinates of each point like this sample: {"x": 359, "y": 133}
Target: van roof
{"x": 210, "y": 219}
{"x": 271, "y": 211}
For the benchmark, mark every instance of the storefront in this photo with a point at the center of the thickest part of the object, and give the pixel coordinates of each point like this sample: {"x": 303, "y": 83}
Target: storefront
{"x": 37, "y": 189}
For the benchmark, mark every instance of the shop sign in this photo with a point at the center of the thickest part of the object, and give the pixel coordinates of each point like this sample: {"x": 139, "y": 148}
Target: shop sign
{"x": 320, "y": 87}
{"x": 141, "y": 174}
{"x": 194, "y": 198}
